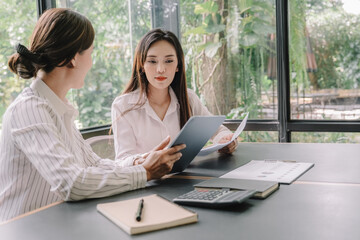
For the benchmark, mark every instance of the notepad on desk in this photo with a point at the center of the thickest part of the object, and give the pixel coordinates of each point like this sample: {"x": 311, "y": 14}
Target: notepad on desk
{"x": 157, "y": 213}
{"x": 281, "y": 171}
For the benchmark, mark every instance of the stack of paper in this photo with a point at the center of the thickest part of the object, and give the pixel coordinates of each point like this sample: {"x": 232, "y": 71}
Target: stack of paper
{"x": 270, "y": 170}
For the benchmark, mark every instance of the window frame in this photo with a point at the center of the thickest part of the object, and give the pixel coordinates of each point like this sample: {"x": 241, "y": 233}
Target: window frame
{"x": 284, "y": 125}
{"x": 43, "y": 5}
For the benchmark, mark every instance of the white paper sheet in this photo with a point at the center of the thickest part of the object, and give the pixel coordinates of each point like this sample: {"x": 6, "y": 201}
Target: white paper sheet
{"x": 215, "y": 147}
{"x": 270, "y": 170}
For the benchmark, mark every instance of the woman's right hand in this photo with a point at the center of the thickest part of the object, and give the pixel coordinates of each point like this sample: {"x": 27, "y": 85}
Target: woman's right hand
{"x": 161, "y": 159}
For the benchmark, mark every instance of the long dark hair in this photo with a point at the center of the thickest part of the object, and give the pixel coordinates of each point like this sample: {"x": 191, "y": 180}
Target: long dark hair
{"x": 59, "y": 34}
{"x": 138, "y": 78}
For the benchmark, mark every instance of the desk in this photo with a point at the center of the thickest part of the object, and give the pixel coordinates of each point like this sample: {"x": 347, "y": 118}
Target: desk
{"x": 327, "y": 207}
{"x": 335, "y": 163}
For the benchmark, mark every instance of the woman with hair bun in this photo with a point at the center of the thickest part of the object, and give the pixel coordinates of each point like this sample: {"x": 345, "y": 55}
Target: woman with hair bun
{"x": 44, "y": 158}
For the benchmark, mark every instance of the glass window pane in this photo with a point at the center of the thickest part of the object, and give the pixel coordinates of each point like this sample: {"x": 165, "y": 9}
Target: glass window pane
{"x": 231, "y": 56}
{"x": 116, "y": 34}
{"x": 259, "y": 136}
{"x": 18, "y": 19}
{"x": 325, "y": 137}
{"x": 324, "y": 53}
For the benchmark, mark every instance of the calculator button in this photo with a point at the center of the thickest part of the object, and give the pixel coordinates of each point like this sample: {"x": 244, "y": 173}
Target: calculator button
{"x": 213, "y": 198}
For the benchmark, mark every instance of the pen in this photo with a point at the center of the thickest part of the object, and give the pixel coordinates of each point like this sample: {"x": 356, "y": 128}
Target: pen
{"x": 139, "y": 211}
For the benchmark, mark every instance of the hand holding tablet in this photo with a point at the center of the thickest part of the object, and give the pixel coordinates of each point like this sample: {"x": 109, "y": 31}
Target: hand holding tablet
{"x": 195, "y": 134}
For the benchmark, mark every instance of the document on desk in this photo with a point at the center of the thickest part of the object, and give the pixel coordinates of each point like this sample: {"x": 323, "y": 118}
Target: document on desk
{"x": 280, "y": 171}
{"x": 215, "y": 147}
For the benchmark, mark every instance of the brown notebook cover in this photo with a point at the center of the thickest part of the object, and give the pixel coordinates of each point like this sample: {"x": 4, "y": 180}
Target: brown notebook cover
{"x": 157, "y": 213}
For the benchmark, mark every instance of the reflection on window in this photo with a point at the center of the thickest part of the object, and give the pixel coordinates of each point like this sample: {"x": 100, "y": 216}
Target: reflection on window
{"x": 230, "y": 52}
{"x": 327, "y": 137}
{"x": 17, "y": 23}
{"x": 324, "y": 53}
{"x": 116, "y": 34}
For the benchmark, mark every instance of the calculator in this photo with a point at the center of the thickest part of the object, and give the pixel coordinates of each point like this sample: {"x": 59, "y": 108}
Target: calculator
{"x": 201, "y": 197}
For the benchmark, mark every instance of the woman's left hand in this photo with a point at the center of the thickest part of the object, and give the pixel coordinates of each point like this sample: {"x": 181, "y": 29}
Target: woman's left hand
{"x": 230, "y": 148}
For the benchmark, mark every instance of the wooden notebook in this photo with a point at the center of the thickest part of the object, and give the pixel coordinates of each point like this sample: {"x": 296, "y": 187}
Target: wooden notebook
{"x": 157, "y": 213}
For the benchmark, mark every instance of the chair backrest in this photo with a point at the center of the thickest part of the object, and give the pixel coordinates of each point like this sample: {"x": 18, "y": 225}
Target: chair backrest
{"x": 103, "y": 146}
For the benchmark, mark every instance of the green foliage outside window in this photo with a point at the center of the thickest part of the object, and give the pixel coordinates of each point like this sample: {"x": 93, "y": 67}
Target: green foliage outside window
{"x": 338, "y": 56}
{"x": 114, "y": 42}
{"x": 226, "y": 42}
{"x": 242, "y": 29}
{"x": 18, "y": 19}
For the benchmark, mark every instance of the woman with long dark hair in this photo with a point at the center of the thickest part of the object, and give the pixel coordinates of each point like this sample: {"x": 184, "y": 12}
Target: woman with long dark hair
{"x": 156, "y": 102}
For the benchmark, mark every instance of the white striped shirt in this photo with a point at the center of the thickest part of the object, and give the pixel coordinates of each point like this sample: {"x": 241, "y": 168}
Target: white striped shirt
{"x": 45, "y": 159}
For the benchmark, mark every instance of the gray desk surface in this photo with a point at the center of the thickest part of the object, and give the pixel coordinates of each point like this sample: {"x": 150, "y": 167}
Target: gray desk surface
{"x": 298, "y": 211}
{"x": 337, "y": 163}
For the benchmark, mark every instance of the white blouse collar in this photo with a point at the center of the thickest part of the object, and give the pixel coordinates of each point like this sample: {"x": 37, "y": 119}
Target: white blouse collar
{"x": 61, "y": 107}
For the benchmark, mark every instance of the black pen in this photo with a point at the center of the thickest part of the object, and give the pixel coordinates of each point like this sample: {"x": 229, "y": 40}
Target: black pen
{"x": 139, "y": 211}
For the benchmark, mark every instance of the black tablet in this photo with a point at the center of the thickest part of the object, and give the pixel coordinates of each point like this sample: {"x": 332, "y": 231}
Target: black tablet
{"x": 195, "y": 134}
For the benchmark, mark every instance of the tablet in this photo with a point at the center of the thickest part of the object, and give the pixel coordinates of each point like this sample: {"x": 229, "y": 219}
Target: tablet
{"x": 195, "y": 134}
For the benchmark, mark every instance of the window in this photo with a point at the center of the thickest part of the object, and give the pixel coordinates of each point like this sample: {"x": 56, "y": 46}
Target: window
{"x": 324, "y": 70}
{"x": 324, "y": 60}
{"x": 232, "y": 50}
{"x": 116, "y": 34}
{"x": 231, "y": 55}
{"x": 326, "y": 137}
{"x": 17, "y": 23}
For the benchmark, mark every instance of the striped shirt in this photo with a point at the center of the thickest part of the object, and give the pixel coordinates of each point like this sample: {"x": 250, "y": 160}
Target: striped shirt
{"x": 45, "y": 159}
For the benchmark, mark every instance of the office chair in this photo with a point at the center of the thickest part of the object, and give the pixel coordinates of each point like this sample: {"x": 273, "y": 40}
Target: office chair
{"x": 103, "y": 146}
